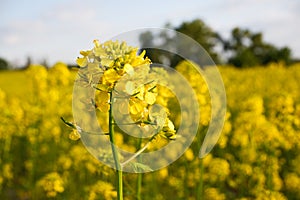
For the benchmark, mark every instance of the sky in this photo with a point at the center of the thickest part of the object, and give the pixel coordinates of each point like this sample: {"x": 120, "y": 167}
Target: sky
{"x": 56, "y": 30}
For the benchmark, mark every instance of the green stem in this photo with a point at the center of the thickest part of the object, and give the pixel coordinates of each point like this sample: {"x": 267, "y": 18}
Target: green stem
{"x": 139, "y": 186}
{"x": 200, "y": 185}
{"x": 114, "y": 151}
{"x": 139, "y": 151}
{"x": 140, "y": 175}
{"x": 135, "y": 155}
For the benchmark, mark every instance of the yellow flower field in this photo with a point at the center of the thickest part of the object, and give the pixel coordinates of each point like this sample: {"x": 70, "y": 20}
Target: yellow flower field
{"x": 256, "y": 157}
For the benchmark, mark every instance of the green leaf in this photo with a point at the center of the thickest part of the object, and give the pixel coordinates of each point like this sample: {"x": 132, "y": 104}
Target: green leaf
{"x": 140, "y": 167}
{"x": 68, "y": 123}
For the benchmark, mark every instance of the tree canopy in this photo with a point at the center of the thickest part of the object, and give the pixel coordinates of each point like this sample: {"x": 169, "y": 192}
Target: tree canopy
{"x": 197, "y": 30}
{"x": 202, "y": 34}
{"x": 249, "y": 49}
{"x": 3, "y": 64}
{"x": 244, "y": 48}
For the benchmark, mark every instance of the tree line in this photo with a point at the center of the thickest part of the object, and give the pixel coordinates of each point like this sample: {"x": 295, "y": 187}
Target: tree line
{"x": 244, "y": 48}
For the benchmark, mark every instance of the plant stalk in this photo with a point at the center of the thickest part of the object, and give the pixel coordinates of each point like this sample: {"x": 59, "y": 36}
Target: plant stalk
{"x": 200, "y": 185}
{"x": 115, "y": 152}
{"x": 140, "y": 175}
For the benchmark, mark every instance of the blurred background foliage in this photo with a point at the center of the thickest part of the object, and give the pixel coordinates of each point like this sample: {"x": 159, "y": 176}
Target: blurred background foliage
{"x": 244, "y": 48}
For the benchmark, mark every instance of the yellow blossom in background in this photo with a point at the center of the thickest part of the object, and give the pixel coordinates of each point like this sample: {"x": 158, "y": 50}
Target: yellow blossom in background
{"x": 7, "y": 171}
{"x": 292, "y": 182}
{"x": 74, "y": 135}
{"x": 65, "y": 162}
{"x": 1, "y": 182}
{"x": 189, "y": 155}
{"x": 270, "y": 195}
{"x": 103, "y": 189}
{"x": 163, "y": 173}
{"x": 257, "y": 156}
{"x": 218, "y": 170}
{"x": 213, "y": 194}
{"x": 52, "y": 184}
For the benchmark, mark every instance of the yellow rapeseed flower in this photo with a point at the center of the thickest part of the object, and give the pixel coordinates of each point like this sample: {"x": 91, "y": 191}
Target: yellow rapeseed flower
{"x": 122, "y": 70}
{"x": 74, "y": 135}
{"x": 189, "y": 155}
{"x": 52, "y": 184}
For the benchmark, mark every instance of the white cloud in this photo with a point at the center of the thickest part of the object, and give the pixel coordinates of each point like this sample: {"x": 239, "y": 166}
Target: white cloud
{"x": 11, "y": 39}
{"x": 278, "y": 20}
{"x": 76, "y": 11}
{"x": 57, "y": 34}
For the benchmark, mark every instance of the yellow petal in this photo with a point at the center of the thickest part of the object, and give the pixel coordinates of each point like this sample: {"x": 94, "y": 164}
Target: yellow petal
{"x": 158, "y": 115}
{"x": 172, "y": 137}
{"x": 129, "y": 69}
{"x": 143, "y": 54}
{"x": 96, "y": 43}
{"x": 99, "y": 52}
{"x": 82, "y": 62}
{"x": 111, "y": 76}
{"x": 102, "y": 97}
{"x": 129, "y": 87}
{"x": 150, "y": 97}
{"x": 103, "y": 87}
{"x": 85, "y": 53}
{"x": 104, "y": 107}
{"x": 170, "y": 125}
{"x": 123, "y": 107}
{"x": 107, "y": 62}
{"x": 74, "y": 135}
{"x": 141, "y": 71}
{"x": 136, "y": 106}
{"x": 93, "y": 66}
{"x": 140, "y": 92}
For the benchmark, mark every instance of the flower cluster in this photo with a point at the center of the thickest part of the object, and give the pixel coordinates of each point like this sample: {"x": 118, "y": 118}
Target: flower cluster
{"x": 117, "y": 72}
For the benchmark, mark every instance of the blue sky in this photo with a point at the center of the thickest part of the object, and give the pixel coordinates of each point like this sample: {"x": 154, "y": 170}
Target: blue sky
{"x": 57, "y": 30}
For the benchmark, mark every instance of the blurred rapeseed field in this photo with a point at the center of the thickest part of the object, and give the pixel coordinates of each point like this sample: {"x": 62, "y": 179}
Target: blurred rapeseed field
{"x": 257, "y": 155}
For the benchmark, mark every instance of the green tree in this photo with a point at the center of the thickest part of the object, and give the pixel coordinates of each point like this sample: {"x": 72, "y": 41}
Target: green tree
{"x": 248, "y": 49}
{"x": 4, "y": 65}
{"x": 147, "y": 42}
{"x": 202, "y": 34}
{"x": 196, "y": 29}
